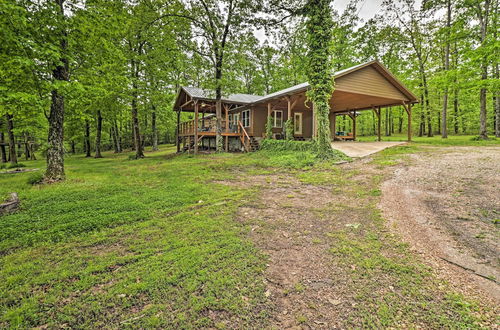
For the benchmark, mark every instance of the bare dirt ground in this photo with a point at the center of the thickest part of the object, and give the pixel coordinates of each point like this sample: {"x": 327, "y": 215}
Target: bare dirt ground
{"x": 334, "y": 263}
{"x": 446, "y": 203}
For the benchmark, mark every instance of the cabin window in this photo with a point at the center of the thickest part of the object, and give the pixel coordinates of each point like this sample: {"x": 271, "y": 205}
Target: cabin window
{"x": 235, "y": 119}
{"x": 277, "y": 117}
{"x": 245, "y": 118}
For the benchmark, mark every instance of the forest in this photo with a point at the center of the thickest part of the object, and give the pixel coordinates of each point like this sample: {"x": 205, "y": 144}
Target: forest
{"x": 88, "y": 76}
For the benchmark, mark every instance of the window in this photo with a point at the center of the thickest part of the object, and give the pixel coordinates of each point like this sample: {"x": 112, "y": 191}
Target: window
{"x": 277, "y": 118}
{"x": 236, "y": 119}
{"x": 245, "y": 118}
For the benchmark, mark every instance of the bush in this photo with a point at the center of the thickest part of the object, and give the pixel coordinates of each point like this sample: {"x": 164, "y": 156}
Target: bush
{"x": 35, "y": 178}
{"x": 2, "y": 166}
{"x": 288, "y": 145}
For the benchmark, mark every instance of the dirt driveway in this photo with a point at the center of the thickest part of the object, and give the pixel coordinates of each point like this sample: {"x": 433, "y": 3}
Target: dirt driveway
{"x": 446, "y": 203}
{"x": 333, "y": 261}
{"x": 362, "y": 149}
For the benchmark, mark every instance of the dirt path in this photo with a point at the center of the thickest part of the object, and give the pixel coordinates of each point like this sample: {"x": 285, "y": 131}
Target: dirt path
{"x": 446, "y": 203}
{"x": 334, "y": 263}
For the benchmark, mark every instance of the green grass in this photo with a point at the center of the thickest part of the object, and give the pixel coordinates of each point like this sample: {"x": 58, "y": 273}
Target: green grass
{"x": 120, "y": 243}
{"x": 452, "y": 140}
{"x": 153, "y": 243}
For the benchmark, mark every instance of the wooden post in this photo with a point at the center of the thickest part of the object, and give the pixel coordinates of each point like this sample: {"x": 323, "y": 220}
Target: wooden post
{"x": 314, "y": 128}
{"x": 409, "y": 122}
{"x": 195, "y": 127}
{"x": 177, "y": 137}
{"x": 354, "y": 125}
{"x": 407, "y": 107}
{"x": 227, "y": 126}
{"x": 378, "y": 124}
{"x": 334, "y": 125}
{"x": 289, "y": 102}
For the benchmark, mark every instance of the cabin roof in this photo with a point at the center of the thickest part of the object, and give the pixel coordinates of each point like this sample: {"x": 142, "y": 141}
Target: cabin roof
{"x": 247, "y": 99}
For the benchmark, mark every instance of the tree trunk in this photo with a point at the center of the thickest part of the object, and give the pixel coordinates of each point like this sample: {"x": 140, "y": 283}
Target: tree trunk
{"x": 118, "y": 146}
{"x": 98, "y": 136}
{"x": 26, "y": 146}
{"x": 87, "y": 139}
{"x": 455, "y": 111}
{"x": 12, "y": 140}
{"x": 2, "y": 148}
{"x": 134, "y": 112}
{"x": 73, "y": 147}
{"x": 483, "y": 18}
{"x": 154, "y": 131}
{"x": 218, "y": 106}
{"x": 444, "y": 128}
{"x": 55, "y": 151}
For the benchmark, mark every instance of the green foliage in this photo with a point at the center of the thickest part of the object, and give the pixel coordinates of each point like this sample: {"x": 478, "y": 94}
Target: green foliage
{"x": 269, "y": 128}
{"x": 17, "y": 165}
{"x": 288, "y": 145}
{"x": 289, "y": 129}
{"x": 319, "y": 70}
{"x": 35, "y": 178}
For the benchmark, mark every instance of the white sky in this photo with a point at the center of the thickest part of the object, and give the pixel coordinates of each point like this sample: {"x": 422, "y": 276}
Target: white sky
{"x": 369, "y": 7}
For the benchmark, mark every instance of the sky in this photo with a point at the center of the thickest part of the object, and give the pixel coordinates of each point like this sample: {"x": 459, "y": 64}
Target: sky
{"x": 369, "y": 7}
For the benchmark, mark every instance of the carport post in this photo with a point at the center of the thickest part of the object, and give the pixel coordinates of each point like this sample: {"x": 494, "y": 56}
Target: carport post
{"x": 408, "y": 112}
{"x": 354, "y": 125}
{"x": 377, "y": 112}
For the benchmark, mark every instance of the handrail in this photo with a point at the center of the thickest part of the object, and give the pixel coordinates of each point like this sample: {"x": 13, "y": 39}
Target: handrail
{"x": 245, "y": 134}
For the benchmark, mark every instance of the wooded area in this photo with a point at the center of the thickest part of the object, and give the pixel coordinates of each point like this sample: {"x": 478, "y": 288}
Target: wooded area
{"x": 87, "y": 76}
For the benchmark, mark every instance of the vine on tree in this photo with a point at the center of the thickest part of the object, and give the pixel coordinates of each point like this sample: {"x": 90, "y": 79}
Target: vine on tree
{"x": 319, "y": 70}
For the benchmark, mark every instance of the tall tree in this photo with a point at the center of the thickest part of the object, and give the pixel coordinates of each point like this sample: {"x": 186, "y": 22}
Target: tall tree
{"x": 60, "y": 74}
{"x": 319, "y": 70}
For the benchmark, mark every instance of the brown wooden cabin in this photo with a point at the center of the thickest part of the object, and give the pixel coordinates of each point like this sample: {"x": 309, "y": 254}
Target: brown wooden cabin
{"x": 368, "y": 86}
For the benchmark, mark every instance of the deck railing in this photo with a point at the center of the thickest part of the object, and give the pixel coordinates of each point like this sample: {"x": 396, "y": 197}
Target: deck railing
{"x": 205, "y": 125}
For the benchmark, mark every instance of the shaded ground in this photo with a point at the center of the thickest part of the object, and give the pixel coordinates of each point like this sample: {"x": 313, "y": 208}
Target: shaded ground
{"x": 332, "y": 261}
{"x": 363, "y": 149}
{"x": 446, "y": 203}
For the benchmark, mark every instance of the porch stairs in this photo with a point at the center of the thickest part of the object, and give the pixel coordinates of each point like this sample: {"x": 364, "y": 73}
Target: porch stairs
{"x": 254, "y": 144}
{"x": 189, "y": 145}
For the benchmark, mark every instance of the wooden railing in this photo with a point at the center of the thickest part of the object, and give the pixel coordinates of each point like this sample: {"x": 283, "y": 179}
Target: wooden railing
{"x": 204, "y": 125}
{"x": 244, "y": 137}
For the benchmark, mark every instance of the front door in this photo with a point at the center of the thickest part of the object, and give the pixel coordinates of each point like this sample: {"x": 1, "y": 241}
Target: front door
{"x": 297, "y": 123}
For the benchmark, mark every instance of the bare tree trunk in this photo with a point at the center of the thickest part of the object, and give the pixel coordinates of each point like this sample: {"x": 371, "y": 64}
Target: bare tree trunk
{"x": 444, "y": 128}
{"x": 135, "y": 119}
{"x": 98, "y": 135}
{"x": 87, "y": 139}
{"x": 116, "y": 132}
{"x": 12, "y": 140}
{"x": 2, "y": 148}
{"x": 483, "y": 19}
{"x": 26, "y": 146}
{"x": 154, "y": 130}
{"x": 55, "y": 151}
{"x": 73, "y": 147}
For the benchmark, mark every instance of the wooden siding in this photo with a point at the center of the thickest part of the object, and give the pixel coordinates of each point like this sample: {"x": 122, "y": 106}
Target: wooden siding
{"x": 369, "y": 81}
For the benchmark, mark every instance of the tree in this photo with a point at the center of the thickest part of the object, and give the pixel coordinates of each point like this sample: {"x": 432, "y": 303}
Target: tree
{"x": 319, "y": 70}
{"x": 55, "y": 150}
{"x": 217, "y": 23}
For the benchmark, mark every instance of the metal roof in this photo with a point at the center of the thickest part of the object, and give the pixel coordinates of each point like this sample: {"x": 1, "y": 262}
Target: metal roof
{"x": 206, "y": 94}
{"x": 247, "y": 99}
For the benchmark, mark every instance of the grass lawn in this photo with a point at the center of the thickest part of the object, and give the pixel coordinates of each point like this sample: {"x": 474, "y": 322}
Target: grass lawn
{"x": 143, "y": 243}
{"x": 452, "y": 140}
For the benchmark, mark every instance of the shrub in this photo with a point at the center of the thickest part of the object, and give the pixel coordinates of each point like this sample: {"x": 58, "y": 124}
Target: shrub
{"x": 2, "y": 166}
{"x": 269, "y": 128}
{"x": 289, "y": 129}
{"x": 35, "y": 178}
{"x": 287, "y": 145}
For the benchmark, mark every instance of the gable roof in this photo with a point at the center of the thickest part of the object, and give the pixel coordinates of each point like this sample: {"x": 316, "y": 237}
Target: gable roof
{"x": 207, "y": 94}
{"x": 249, "y": 99}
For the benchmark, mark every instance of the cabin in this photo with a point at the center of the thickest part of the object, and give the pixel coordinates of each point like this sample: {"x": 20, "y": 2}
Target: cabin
{"x": 366, "y": 87}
